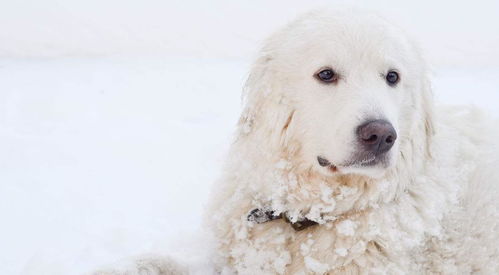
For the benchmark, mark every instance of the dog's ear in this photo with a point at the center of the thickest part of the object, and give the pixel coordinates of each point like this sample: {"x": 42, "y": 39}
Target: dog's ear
{"x": 268, "y": 113}
{"x": 428, "y": 114}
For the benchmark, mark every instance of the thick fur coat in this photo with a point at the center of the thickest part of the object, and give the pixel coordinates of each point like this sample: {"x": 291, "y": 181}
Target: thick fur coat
{"x": 431, "y": 205}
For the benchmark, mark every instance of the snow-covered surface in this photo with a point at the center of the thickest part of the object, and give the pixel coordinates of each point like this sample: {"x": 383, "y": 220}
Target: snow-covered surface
{"x": 115, "y": 116}
{"x": 103, "y": 158}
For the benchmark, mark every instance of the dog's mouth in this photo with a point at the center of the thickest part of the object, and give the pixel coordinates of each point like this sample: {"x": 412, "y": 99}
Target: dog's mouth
{"x": 326, "y": 163}
{"x": 364, "y": 161}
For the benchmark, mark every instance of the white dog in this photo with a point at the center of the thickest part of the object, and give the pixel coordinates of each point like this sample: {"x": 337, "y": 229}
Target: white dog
{"x": 342, "y": 165}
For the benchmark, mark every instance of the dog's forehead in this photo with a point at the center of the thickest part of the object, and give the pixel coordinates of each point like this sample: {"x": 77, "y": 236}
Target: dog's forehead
{"x": 328, "y": 37}
{"x": 353, "y": 26}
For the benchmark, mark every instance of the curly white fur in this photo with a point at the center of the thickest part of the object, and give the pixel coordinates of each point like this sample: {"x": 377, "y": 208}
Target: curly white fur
{"x": 433, "y": 209}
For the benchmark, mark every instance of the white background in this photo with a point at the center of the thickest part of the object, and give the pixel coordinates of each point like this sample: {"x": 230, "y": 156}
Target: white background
{"x": 115, "y": 115}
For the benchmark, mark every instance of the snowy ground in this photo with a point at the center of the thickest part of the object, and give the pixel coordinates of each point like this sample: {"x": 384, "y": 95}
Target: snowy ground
{"x": 103, "y": 158}
{"x": 115, "y": 116}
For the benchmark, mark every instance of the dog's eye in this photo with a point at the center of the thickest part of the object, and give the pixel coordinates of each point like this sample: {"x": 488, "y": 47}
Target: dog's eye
{"x": 392, "y": 78}
{"x": 327, "y": 75}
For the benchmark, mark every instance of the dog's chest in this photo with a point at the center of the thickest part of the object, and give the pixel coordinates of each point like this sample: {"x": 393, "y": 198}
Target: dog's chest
{"x": 349, "y": 243}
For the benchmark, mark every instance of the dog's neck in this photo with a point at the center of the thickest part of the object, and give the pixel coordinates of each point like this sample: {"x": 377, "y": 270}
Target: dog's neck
{"x": 264, "y": 215}
{"x": 308, "y": 194}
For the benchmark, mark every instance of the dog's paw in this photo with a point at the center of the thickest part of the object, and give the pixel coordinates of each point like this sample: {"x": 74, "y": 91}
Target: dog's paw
{"x": 150, "y": 265}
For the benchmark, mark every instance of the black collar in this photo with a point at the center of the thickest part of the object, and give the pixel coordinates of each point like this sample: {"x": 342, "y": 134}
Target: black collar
{"x": 265, "y": 215}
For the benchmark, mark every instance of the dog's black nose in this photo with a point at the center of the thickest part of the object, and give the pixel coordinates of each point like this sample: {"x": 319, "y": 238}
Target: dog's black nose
{"x": 377, "y": 136}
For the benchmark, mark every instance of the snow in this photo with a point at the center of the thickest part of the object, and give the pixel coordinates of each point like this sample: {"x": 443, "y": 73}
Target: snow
{"x": 346, "y": 228}
{"x": 315, "y": 266}
{"x": 103, "y": 158}
{"x": 341, "y": 251}
{"x": 115, "y": 117}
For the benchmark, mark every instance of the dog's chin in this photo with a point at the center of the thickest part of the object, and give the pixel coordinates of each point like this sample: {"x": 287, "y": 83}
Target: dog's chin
{"x": 374, "y": 171}
{"x": 369, "y": 167}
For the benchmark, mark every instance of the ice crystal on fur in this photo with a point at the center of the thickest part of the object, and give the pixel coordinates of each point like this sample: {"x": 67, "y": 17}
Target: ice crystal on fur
{"x": 315, "y": 266}
{"x": 341, "y": 251}
{"x": 346, "y": 228}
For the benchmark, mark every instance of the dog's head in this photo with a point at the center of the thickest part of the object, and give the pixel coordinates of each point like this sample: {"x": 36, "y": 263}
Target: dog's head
{"x": 343, "y": 92}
